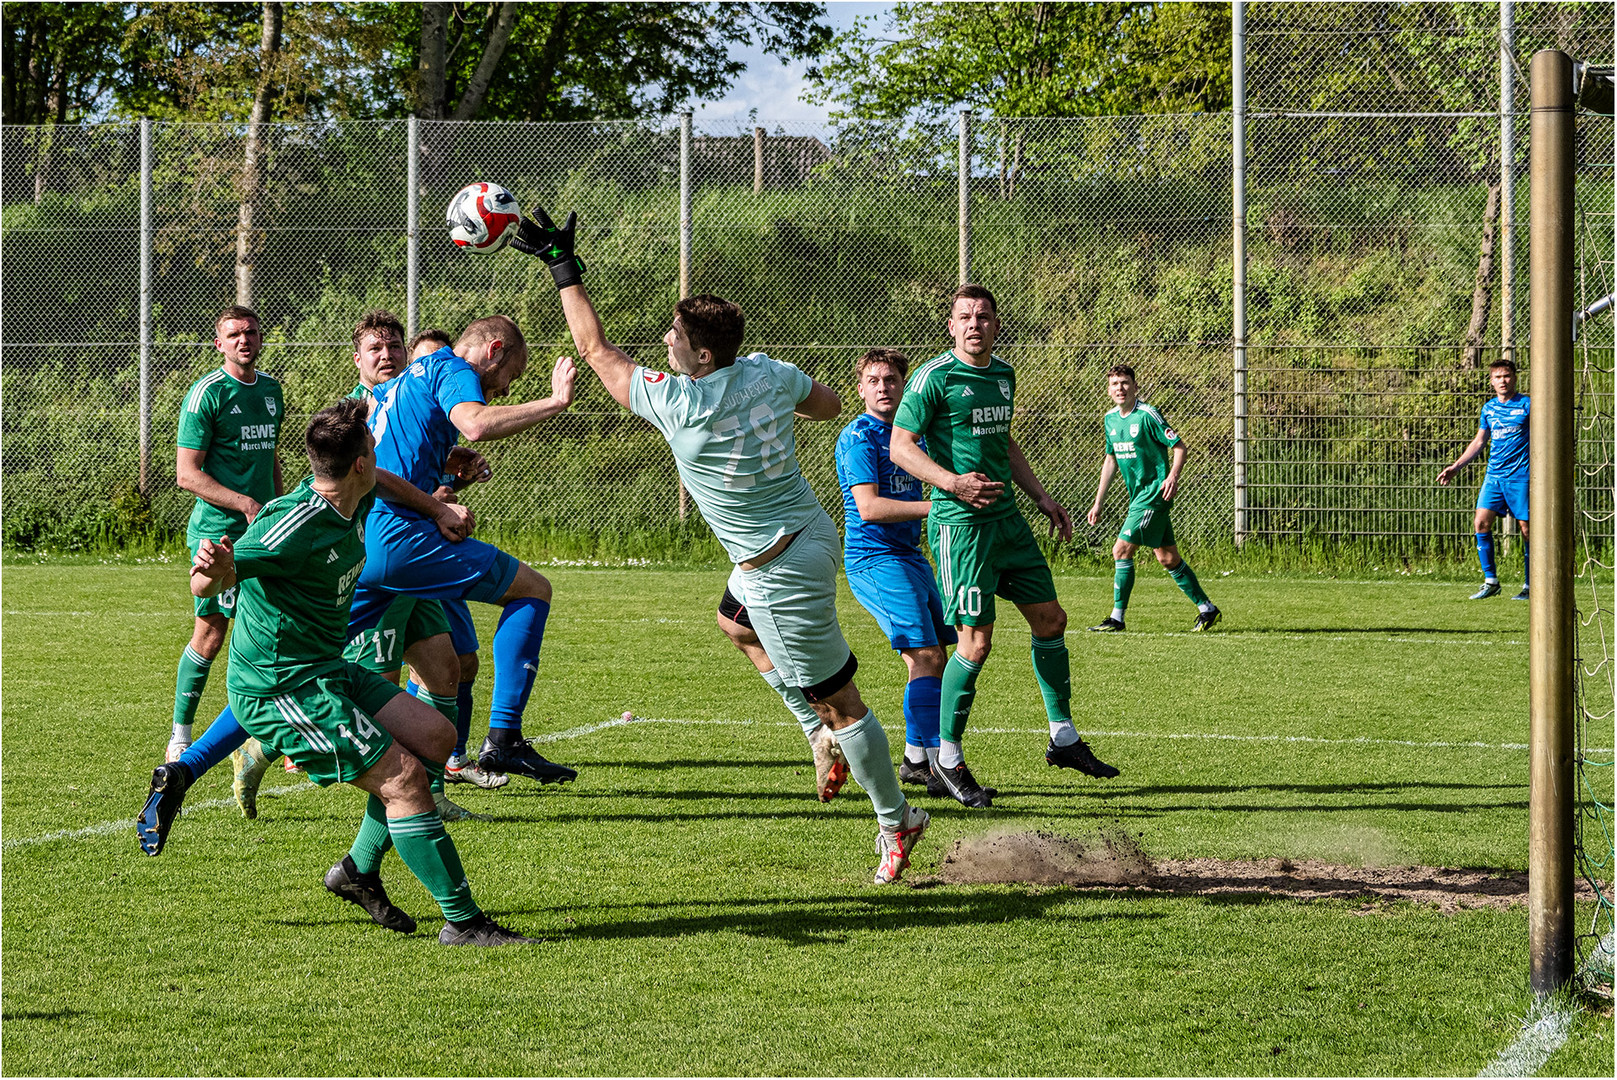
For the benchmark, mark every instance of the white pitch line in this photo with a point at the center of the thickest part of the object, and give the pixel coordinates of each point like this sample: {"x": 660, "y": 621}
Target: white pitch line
{"x": 129, "y": 823}
{"x": 1546, "y": 1027}
{"x": 106, "y": 827}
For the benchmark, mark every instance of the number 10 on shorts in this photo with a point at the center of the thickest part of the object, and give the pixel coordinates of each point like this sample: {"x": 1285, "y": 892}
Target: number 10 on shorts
{"x": 969, "y": 601}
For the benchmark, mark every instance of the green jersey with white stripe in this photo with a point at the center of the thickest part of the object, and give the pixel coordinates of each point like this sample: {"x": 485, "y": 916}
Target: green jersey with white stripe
{"x": 964, "y": 413}
{"x": 296, "y": 567}
{"x": 236, "y": 425}
{"x": 1142, "y": 442}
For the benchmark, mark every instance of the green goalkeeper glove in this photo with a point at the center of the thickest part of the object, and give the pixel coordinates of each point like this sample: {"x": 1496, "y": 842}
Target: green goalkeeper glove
{"x": 539, "y": 236}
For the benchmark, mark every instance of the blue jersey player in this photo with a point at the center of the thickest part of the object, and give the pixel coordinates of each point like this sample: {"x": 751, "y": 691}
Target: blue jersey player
{"x": 416, "y": 419}
{"x": 1504, "y": 423}
{"x": 883, "y": 514}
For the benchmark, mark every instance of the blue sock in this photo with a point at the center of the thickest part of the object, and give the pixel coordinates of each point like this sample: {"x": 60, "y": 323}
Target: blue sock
{"x": 412, "y": 688}
{"x": 921, "y": 698}
{"x": 463, "y": 717}
{"x": 516, "y": 660}
{"x": 1490, "y": 570}
{"x": 215, "y": 745}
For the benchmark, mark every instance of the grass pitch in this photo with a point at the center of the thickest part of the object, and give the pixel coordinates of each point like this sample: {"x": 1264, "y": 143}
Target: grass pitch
{"x": 704, "y": 914}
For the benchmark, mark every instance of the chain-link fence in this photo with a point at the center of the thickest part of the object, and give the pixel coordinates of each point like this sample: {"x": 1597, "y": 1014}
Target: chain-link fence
{"x": 1371, "y": 192}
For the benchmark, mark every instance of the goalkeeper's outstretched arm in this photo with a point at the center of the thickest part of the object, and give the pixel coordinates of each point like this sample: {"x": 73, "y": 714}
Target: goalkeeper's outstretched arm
{"x": 610, "y": 363}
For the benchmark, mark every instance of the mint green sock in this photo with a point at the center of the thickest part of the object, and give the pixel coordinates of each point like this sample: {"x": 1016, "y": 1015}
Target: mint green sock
{"x": 373, "y": 839}
{"x": 188, "y": 684}
{"x": 1122, "y": 583}
{"x": 431, "y": 856}
{"x": 959, "y": 691}
{"x": 796, "y": 703}
{"x": 864, "y": 744}
{"x": 1184, "y": 577}
{"x": 1052, "y": 666}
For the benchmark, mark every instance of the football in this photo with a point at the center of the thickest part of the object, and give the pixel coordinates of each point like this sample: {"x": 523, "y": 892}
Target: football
{"x": 483, "y": 217}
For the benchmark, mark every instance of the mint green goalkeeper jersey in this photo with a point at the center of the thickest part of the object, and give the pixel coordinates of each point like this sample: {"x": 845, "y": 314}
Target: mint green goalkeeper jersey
{"x": 1142, "y": 442}
{"x": 236, "y": 425}
{"x": 735, "y": 446}
{"x": 296, "y": 568}
{"x": 964, "y": 414}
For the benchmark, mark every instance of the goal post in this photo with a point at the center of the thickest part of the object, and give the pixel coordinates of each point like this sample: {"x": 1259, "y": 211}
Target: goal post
{"x": 1552, "y": 627}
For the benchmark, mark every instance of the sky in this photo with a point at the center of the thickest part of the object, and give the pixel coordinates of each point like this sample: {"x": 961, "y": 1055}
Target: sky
{"x": 776, "y": 89}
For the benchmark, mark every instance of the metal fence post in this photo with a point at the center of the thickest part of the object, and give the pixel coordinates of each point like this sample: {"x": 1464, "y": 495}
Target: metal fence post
{"x": 965, "y": 196}
{"x": 412, "y": 227}
{"x": 1507, "y": 181}
{"x": 1238, "y": 261}
{"x": 684, "y": 245}
{"x": 757, "y": 161}
{"x": 145, "y": 304}
{"x": 1552, "y": 638}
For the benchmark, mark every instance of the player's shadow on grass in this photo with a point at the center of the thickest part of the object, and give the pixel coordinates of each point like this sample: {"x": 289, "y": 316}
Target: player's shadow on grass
{"x": 823, "y": 920}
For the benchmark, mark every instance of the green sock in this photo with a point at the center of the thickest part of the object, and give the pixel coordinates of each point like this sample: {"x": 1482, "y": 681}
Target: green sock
{"x": 959, "y": 691}
{"x": 1053, "y": 667}
{"x": 373, "y": 839}
{"x": 431, "y": 856}
{"x": 864, "y": 744}
{"x": 1122, "y": 583}
{"x": 449, "y": 706}
{"x": 1184, "y": 577}
{"x": 188, "y": 684}
{"x": 435, "y": 775}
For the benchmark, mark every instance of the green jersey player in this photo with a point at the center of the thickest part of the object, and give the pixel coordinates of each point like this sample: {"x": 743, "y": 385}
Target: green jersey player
{"x": 1149, "y": 455}
{"x": 729, "y": 421}
{"x": 230, "y": 422}
{"x": 295, "y": 570}
{"x": 961, "y": 402}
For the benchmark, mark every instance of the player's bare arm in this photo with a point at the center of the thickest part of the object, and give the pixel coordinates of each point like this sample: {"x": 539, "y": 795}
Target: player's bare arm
{"x": 1022, "y": 476}
{"x": 822, "y": 403}
{"x": 610, "y": 363}
{"x": 1170, "y": 485}
{"x": 1108, "y": 472}
{"x": 280, "y": 485}
{"x": 214, "y": 568}
{"x": 455, "y": 522}
{"x": 1471, "y": 451}
{"x": 974, "y": 489}
{"x": 190, "y": 476}
{"x": 481, "y": 423}
{"x": 876, "y": 508}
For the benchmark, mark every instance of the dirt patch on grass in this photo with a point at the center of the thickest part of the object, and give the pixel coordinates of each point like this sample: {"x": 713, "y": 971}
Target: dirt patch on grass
{"x": 1113, "y": 859}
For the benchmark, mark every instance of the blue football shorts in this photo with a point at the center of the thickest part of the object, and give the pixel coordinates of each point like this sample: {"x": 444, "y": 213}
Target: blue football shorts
{"x": 902, "y": 595}
{"x": 412, "y": 557}
{"x": 1504, "y": 495}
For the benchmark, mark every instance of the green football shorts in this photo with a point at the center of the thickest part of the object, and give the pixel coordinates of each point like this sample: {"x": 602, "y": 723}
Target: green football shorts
{"x": 324, "y": 724}
{"x": 978, "y": 562}
{"x": 1147, "y": 524}
{"x": 407, "y": 620}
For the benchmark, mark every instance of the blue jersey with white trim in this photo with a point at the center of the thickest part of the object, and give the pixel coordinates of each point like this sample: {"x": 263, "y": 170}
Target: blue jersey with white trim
{"x": 410, "y": 420}
{"x": 863, "y": 456}
{"x": 1506, "y": 424}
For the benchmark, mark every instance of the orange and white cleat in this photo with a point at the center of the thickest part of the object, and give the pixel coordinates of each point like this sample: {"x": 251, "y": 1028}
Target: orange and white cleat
{"x": 894, "y": 847}
{"x": 830, "y": 767}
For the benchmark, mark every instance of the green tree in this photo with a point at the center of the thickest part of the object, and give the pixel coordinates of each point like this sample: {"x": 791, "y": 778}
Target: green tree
{"x": 1031, "y": 59}
{"x": 57, "y": 61}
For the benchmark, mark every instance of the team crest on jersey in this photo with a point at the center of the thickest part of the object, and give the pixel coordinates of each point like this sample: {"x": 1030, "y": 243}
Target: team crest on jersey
{"x": 269, "y": 404}
{"x": 1005, "y": 388}
{"x": 1134, "y": 431}
{"x": 359, "y": 529}
{"x": 1168, "y": 432}
{"x": 655, "y": 376}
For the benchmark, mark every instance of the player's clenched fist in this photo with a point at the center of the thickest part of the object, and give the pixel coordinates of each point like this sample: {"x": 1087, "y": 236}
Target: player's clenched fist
{"x": 213, "y": 567}
{"x": 976, "y": 490}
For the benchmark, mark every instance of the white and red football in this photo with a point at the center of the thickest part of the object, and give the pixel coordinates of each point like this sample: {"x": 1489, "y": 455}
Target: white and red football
{"x": 483, "y": 217}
